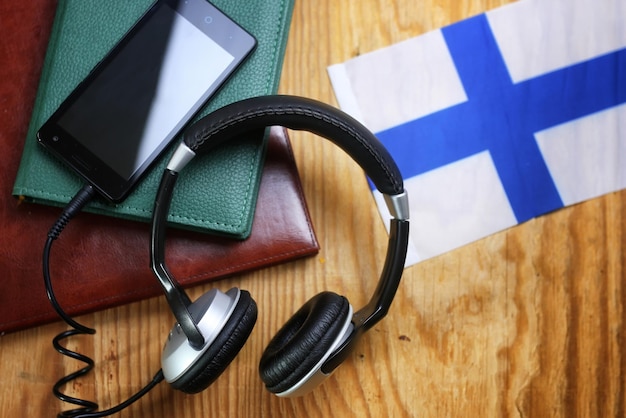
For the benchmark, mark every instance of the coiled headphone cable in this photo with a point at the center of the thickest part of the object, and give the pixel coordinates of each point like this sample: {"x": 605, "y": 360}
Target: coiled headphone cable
{"x": 87, "y": 409}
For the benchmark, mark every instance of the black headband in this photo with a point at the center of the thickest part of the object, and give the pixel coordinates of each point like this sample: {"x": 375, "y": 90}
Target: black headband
{"x": 299, "y": 114}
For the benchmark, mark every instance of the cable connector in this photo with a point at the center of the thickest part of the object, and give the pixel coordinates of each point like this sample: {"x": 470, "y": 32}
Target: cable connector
{"x": 74, "y": 206}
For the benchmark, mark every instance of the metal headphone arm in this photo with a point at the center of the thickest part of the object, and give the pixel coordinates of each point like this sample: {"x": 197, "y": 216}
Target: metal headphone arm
{"x": 176, "y": 297}
{"x": 380, "y": 302}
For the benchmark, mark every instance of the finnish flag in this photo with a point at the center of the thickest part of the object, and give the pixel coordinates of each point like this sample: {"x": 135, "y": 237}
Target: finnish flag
{"x": 498, "y": 118}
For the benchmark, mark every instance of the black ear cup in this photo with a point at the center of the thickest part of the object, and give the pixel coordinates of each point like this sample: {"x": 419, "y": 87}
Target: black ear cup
{"x": 223, "y": 350}
{"x": 303, "y": 341}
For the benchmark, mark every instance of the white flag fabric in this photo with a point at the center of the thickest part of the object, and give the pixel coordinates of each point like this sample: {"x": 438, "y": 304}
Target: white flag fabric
{"x": 498, "y": 118}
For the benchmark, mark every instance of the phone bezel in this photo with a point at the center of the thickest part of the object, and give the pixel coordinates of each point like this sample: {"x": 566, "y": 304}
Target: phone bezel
{"x": 111, "y": 185}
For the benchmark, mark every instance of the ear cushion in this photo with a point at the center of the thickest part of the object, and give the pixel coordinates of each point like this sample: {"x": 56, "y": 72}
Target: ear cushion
{"x": 223, "y": 350}
{"x": 303, "y": 341}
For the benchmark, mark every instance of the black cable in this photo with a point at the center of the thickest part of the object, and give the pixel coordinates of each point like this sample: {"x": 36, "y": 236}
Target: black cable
{"x": 87, "y": 409}
{"x": 158, "y": 378}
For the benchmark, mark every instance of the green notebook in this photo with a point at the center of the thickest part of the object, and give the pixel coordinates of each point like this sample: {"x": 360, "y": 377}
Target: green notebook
{"x": 217, "y": 193}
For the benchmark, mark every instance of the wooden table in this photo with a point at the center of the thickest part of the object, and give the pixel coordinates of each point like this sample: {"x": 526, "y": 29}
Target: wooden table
{"x": 527, "y": 322}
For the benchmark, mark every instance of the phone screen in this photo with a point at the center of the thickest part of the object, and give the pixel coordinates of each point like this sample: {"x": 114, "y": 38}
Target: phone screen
{"x": 135, "y": 102}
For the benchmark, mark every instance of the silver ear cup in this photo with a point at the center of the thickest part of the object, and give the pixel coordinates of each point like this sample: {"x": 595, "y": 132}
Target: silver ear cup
{"x": 316, "y": 375}
{"x": 225, "y": 320}
{"x": 291, "y": 364}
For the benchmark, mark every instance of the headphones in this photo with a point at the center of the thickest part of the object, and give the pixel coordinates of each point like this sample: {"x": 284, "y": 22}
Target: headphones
{"x": 210, "y": 331}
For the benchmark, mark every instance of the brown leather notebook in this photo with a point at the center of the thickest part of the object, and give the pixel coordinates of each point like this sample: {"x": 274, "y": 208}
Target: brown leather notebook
{"x": 98, "y": 261}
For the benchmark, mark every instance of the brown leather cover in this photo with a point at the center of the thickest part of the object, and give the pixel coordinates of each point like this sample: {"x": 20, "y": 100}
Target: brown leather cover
{"x": 100, "y": 262}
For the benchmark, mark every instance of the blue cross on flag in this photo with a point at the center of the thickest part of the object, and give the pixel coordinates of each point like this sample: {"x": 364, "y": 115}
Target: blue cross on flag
{"x": 499, "y": 118}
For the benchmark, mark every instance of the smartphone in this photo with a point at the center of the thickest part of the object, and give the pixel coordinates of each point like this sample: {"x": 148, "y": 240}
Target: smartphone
{"x": 123, "y": 115}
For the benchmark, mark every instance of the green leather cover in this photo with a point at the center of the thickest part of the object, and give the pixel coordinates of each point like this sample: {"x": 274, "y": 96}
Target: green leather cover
{"x": 216, "y": 193}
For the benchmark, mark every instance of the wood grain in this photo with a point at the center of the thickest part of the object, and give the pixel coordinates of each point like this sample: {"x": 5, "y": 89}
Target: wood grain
{"x": 525, "y": 323}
